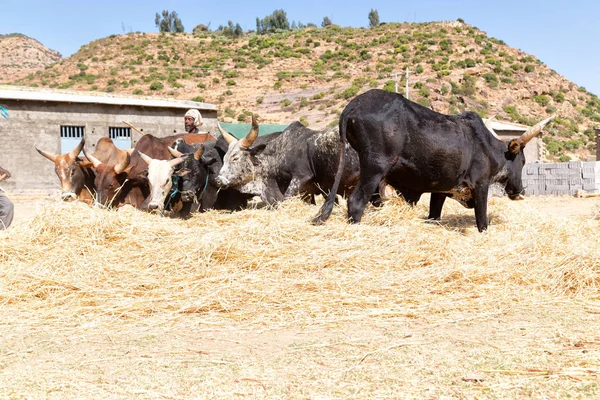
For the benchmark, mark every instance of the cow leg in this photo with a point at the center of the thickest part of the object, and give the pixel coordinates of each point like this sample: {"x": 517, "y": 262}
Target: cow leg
{"x": 367, "y": 185}
{"x": 377, "y": 198}
{"x": 435, "y": 206}
{"x": 271, "y": 194}
{"x": 293, "y": 188}
{"x": 480, "y": 199}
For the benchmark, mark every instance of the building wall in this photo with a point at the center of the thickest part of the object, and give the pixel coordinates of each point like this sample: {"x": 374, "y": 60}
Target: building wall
{"x": 561, "y": 178}
{"x": 35, "y": 123}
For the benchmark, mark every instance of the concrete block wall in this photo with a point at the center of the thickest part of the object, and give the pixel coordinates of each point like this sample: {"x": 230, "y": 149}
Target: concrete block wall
{"x": 543, "y": 179}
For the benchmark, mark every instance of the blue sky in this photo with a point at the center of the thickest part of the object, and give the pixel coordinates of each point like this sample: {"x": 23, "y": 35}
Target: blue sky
{"x": 563, "y": 34}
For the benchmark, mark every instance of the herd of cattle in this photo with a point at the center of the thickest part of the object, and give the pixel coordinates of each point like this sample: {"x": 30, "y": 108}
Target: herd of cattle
{"x": 383, "y": 139}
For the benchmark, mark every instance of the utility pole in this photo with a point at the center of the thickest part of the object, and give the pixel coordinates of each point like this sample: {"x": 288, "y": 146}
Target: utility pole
{"x": 396, "y": 80}
{"x": 407, "y": 72}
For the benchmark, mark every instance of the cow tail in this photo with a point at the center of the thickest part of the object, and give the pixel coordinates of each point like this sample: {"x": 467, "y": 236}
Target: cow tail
{"x": 327, "y": 207}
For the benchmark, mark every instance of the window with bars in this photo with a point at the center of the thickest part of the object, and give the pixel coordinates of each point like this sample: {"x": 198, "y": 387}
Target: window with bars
{"x": 121, "y": 137}
{"x": 67, "y": 131}
{"x": 70, "y": 136}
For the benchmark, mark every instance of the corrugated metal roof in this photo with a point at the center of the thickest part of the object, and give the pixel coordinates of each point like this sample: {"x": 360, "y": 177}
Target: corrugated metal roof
{"x": 507, "y": 126}
{"x": 20, "y": 93}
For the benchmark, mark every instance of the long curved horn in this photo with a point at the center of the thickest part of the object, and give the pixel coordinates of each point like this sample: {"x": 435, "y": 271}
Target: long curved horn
{"x": 49, "y": 156}
{"x": 176, "y": 161}
{"x": 252, "y": 135}
{"x": 123, "y": 164}
{"x": 534, "y": 130}
{"x": 198, "y": 154}
{"x": 174, "y": 153}
{"x": 145, "y": 157}
{"x": 488, "y": 125}
{"x": 228, "y": 136}
{"x": 95, "y": 162}
{"x": 77, "y": 149}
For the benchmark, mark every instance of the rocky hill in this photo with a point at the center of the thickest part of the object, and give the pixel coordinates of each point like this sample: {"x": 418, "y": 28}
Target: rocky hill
{"x": 22, "y": 55}
{"x": 310, "y": 75}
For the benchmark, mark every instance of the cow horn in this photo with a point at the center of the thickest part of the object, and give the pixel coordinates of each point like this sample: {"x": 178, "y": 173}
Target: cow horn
{"x": 123, "y": 164}
{"x": 488, "y": 125}
{"x": 73, "y": 154}
{"x": 174, "y": 153}
{"x": 228, "y": 136}
{"x": 252, "y": 135}
{"x": 198, "y": 154}
{"x": 176, "y": 161}
{"x": 95, "y": 162}
{"x": 49, "y": 156}
{"x": 534, "y": 130}
{"x": 145, "y": 158}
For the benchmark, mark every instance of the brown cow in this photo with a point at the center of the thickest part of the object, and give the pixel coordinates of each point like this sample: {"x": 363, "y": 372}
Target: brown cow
{"x": 126, "y": 183}
{"x": 76, "y": 176}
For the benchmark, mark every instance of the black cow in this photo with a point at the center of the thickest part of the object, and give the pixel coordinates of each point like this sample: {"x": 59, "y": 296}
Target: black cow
{"x": 422, "y": 151}
{"x": 300, "y": 161}
{"x": 198, "y": 187}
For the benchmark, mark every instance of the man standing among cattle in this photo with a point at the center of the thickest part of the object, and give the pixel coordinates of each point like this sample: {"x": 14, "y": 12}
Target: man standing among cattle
{"x": 7, "y": 209}
{"x": 193, "y": 121}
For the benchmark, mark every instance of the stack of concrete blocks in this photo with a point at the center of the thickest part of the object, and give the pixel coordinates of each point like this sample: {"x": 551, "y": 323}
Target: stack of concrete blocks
{"x": 544, "y": 179}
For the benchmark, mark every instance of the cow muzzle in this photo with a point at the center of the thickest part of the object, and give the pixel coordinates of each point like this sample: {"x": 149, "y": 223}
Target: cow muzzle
{"x": 222, "y": 182}
{"x": 518, "y": 196}
{"x": 154, "y": 207}
{"x": 68, "y": 196}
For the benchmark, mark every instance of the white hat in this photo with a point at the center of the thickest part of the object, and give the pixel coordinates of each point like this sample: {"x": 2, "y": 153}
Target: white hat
{"x": 196, "y": 115}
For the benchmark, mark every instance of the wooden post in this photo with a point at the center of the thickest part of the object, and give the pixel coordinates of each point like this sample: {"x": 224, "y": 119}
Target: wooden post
{"x": 133, "y": 127}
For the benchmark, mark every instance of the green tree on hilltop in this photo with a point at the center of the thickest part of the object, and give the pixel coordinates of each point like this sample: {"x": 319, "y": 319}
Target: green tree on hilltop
{"x": 168, "y": 22}
{"x": 373, "y": 18}
{"x": 276, "y": 21}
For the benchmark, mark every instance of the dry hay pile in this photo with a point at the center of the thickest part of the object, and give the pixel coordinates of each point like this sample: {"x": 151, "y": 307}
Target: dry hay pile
{"x": 264, "y": 265}
{"x": 267, "y": 268}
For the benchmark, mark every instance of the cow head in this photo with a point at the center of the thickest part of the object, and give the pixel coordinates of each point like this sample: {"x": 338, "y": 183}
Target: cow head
{"x": 109, "y": 179}
{"x": 240, "y": 160}
{"x": 195, "y": 173}
{"x": 70, "y": 170}
{"x": 159, "y": 174}
{"x": 515, "y": 158}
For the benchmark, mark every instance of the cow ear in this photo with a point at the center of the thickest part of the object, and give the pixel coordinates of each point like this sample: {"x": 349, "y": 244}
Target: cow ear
{"x": 257, "y": 150}
{"x": 143, "y": 174}
{"x": 182, "y": 172}
{"x": 514, "y": 146}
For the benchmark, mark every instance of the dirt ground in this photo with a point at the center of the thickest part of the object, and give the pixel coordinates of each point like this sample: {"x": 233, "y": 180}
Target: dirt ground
{"x": 510, "y": 346}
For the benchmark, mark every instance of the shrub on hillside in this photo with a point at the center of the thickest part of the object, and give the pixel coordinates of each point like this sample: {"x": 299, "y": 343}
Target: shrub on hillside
{"x": 491, "y": 80}
{"x": 349, "y": 92}
{"x": 156, "y": 86}
{"x": 542, "y": 100}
